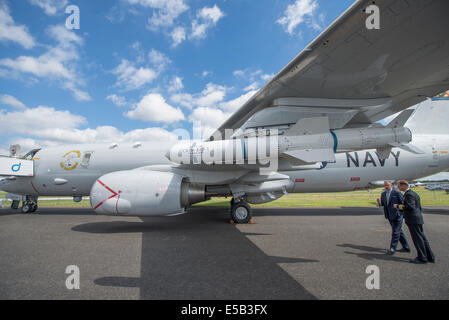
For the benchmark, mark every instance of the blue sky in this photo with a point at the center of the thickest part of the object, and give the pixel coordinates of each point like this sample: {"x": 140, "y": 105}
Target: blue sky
{"x": 138, "y": 69}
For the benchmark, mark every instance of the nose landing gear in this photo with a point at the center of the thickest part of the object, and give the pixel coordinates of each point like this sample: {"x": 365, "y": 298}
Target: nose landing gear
{"x": 29, "y": 205}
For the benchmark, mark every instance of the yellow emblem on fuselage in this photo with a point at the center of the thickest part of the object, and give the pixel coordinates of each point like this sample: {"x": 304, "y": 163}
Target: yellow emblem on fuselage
{"x": 71, "y": 160}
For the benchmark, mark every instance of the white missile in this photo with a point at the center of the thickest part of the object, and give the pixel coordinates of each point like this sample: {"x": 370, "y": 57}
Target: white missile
{"x": 308, "y": 141}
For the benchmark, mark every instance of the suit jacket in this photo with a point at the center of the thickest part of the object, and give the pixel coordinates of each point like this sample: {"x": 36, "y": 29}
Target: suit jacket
{"x": 390, "y": 212}
{"x": 412, "y": 208}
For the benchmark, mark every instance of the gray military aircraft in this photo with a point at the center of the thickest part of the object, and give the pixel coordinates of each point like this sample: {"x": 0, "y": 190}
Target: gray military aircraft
{"x": 313, "y": 128}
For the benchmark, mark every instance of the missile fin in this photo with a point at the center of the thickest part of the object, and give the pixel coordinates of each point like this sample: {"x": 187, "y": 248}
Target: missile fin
{"x": 300, "y": 157}
{"x": 408, "y": 147}
{"x": 401, "y": 119}
{"x": 384, "y": 153}
{"x": 305, "y": 126}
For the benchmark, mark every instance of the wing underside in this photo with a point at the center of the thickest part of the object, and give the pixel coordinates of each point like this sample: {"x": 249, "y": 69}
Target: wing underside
{"x": 358, "y": 76}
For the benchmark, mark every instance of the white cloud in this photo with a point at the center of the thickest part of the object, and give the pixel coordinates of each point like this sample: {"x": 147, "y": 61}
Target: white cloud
{"x": 183, "y": 99}
{"x": 11, "y": 101}
{"x": 210, "y": 118}
{"x": 234, "y": 105}
{"x": 206, "y": 18}
{"x": 11, "y": 32}
{"x": 102, "y": 134}
{"x": 50, "y": 7}
{"x": 59, "y": 62}
{"x": 158, "y": 59}
{"x": 154, "y": 108}
{"x": 132, "y": 78}
{"x": 209, "y": 97}
{"x": 46, "y": 126}
{"x": 299, "y": 12}
{"x": 209, "y": 106}
{"x": 117, "y": 100}
{"x": 64, "y": 37}
{"x": 38, "y": 121}
{"x": 213, "y": 14}
{"x": 206, "y": 73}
{"x": 165, "y": 12}
{"x": 256, "y": 78}
{"x": 176, "y": 84}
{"x": 178, "y": 35}
{"x": 252, "y": 86}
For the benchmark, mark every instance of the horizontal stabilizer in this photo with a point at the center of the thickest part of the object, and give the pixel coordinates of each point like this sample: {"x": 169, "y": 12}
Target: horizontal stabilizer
{"x": 401, "y": 119}
{"x": 298, "y": 157}
{"x": 309, "y": 126}
{"x": 408, "y": 147}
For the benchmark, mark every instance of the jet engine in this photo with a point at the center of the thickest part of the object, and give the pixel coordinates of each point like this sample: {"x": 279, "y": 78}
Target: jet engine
{"x": 144, "y": 193}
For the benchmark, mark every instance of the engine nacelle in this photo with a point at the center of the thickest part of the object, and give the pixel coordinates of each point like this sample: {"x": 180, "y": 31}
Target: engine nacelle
{"x": 144, "y": 193}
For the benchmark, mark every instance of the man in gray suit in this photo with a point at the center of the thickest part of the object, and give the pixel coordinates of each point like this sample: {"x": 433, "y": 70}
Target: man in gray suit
{"x": 413, "y": 218}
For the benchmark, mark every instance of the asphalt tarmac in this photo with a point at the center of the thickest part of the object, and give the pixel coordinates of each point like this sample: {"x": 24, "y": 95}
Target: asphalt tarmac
{"x": 298, "y": 253}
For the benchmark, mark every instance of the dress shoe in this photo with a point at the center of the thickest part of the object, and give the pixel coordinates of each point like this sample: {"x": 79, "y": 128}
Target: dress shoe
{"x": 391, "y": 251}
{"x": 418, "y": 261}
{"x": 404, "y": 250}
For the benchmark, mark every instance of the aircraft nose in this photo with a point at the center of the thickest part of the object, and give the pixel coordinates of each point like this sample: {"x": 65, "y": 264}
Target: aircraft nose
{"x": 106, "y": 198}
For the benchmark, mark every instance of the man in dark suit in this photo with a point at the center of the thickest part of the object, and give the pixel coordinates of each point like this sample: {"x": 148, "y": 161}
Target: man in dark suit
{"x": 388, "y": 199}
{"x": 413, "y": 218}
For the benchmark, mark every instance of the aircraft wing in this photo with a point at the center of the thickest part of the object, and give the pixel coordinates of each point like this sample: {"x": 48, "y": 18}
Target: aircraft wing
{"x": 357, "y": 76}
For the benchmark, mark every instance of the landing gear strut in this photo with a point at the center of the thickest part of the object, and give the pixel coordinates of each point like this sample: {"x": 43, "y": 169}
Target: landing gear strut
{"x": 240, "y": 212}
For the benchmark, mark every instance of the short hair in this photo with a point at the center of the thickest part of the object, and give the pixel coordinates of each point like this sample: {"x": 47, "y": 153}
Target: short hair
{"x": 389, "y": 182}
{"x": 403, "y": 183}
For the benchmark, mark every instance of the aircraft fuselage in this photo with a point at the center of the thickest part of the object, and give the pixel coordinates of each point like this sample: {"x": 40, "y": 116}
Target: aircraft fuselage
{"x": 72, "y": 170}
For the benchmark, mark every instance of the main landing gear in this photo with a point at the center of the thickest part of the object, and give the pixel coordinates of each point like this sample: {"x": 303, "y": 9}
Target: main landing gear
{"x": 241, "y": 212}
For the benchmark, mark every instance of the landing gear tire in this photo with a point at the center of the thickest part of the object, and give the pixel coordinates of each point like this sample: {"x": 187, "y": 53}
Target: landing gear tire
{"x": 27, "y": 208}
{"x": 241, "y": 212}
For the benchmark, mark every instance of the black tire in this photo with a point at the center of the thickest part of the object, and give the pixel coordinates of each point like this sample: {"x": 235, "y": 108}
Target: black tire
{"x": 241, "y": 213}
{"x": 27, "y": 208}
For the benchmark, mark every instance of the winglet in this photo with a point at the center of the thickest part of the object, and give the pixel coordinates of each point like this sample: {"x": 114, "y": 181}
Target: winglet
{"x": 401, "y": 119}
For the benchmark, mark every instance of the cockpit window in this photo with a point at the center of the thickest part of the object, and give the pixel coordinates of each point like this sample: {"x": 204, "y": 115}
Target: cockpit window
{"x": 30, "y": 155}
